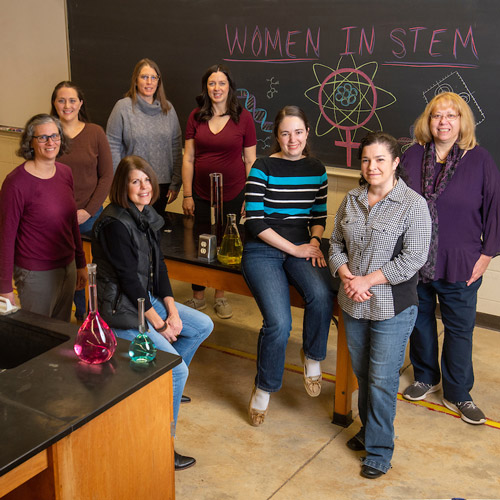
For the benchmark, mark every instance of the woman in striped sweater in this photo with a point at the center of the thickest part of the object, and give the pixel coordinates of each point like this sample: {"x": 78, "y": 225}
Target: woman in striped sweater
{"x": 286, "y": 214}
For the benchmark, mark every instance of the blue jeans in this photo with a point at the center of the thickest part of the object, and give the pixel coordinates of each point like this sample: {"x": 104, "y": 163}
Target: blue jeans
{"x": 196, "y": 327}
{"x": 79, "y": 298}
{"x": 457, "y": 302}
{"x": 268, "y": 273}
{"x": 377, "y": 350}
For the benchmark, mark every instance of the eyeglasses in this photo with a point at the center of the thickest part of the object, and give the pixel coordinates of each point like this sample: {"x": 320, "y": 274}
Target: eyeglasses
{"x": 44, "y": 138}
{"x": 153, "y": 78}
{"x": 449, "y": 117}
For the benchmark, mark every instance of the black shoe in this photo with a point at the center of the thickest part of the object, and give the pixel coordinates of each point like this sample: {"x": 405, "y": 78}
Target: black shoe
{"x": 370, "y": 472}
{"x": 185, "y": 399}
{"x": 355, "y": 444}
{"x": 181, "y": 462}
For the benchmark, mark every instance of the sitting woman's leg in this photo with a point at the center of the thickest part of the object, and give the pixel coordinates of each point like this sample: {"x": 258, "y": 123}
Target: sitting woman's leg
{"x": 262, "y": 267}
{"x": 316, "y": 287}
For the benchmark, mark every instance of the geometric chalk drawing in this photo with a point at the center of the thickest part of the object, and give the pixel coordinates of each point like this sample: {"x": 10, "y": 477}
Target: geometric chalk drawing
{"x": 455, "y": 83}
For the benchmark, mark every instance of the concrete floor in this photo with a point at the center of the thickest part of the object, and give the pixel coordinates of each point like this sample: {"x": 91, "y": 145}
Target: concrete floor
{"x": 298, "y": 453}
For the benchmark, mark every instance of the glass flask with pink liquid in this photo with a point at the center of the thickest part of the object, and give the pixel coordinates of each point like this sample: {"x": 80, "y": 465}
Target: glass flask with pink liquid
{"x": 95, "y": 342}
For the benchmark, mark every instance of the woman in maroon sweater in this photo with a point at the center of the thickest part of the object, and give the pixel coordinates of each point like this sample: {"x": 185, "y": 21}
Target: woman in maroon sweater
{"x": 39, "y": 236}
{"x": 220, "y": 137}
{"x": 90, "y": 161}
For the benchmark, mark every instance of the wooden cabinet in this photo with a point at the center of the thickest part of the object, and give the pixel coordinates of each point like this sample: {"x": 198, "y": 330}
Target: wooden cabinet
{"x": 124, "y": 453}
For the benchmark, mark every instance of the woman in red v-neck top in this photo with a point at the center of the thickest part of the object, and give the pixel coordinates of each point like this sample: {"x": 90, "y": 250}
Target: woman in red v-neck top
{"x": 220, "y": 137}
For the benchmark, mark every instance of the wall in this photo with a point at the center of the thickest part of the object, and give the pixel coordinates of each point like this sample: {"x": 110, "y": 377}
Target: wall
{"x": 43, "y": 43}
{"x": 34, "y": 57}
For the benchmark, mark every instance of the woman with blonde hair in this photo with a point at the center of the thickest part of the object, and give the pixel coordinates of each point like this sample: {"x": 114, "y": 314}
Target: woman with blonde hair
{"x": 461, "y": 183}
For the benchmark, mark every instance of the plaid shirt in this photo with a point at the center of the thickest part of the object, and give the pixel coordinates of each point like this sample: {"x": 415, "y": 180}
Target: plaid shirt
{"x": 392, "y": 236}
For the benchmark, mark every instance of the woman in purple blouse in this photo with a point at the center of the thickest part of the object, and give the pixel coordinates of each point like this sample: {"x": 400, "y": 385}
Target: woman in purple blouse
{"x": 461, "y": 184}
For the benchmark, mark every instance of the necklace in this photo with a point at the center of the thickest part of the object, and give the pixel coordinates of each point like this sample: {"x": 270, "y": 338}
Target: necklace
{"x": 441, "y": 159}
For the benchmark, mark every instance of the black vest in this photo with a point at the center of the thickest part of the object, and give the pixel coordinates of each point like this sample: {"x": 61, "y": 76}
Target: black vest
{"x": 114, "y": 306}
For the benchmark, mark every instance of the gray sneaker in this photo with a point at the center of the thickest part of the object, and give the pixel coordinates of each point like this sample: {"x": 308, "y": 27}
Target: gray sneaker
{"x": 223, "y": 308}
{"x": 467, "y": 410}
{"x": 198, "y": 304}
{"x": 419, "y": 390}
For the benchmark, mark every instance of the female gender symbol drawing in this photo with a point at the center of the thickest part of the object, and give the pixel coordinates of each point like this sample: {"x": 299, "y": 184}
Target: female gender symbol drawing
{"x": 353, "y": 94}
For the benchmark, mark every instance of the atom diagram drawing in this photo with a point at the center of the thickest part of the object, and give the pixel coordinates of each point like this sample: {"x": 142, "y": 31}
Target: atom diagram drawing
{"x": 348, "y": 100}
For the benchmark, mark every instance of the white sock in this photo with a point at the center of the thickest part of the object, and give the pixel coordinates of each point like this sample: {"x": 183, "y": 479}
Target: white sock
{"x": 260, "y": 399}
{"x": 312, "y": 368}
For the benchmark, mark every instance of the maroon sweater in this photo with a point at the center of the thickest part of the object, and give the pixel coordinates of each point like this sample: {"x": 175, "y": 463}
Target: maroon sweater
{"x": 222, "y": 153}
{"x": 38, "y": 224}
{"x": 90, "y": 161}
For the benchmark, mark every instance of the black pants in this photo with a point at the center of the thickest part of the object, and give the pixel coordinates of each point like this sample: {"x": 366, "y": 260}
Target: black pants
{"x": 161, "y": 203}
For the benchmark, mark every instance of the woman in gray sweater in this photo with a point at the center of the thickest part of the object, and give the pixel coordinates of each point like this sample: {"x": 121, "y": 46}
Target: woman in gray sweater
{"x": 144, "y": 123}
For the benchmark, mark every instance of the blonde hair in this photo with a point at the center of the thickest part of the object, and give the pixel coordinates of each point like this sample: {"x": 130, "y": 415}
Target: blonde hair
{"x": 467, "y": 135}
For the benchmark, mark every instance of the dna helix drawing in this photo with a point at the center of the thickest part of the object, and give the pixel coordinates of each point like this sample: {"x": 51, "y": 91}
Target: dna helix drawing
{"x": 259, "y": 114}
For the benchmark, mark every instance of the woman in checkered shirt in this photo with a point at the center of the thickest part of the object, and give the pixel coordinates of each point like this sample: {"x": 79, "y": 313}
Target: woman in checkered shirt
{"x": 380, "y": 241}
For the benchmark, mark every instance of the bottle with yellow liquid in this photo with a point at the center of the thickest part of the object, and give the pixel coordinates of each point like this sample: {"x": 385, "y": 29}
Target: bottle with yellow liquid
{"x": 231, "y": 248}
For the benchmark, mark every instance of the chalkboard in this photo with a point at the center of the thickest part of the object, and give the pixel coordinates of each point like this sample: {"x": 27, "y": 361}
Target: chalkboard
{"x": 353, "y": 66}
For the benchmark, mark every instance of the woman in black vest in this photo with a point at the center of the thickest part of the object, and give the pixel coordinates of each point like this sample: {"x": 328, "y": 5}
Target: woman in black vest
{"x": 130, "y": 265}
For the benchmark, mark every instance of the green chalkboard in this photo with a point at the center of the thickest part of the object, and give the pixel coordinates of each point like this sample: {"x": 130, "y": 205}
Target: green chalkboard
{"x": 353, "y": 66}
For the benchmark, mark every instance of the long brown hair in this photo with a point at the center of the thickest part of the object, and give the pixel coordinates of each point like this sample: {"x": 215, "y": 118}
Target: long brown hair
{"x": 160, "y": 91}
{"x": 205, "y": 104}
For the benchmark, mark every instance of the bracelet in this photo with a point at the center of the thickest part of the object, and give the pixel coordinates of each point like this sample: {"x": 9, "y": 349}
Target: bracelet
{"x": 188, "y": 196}
{"x": 316, "y": 238}
{"x": 163, "y": 328}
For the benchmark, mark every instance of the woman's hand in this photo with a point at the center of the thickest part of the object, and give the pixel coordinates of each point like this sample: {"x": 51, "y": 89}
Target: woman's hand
{"x": 81, "y": 278}
{"x": 171, "y": 196}
{"x": 353, "y": 285}
{"x": 188, "y": 206}
{"x": 10, "y": 296}
{"x": 320, "y": 262}
{"x": 82, "y": 216}
{"x": 479, "y": 268}
{"x": 174, "y": 326}
{"x": 307, "y": 251}
{"x": 358, "y": 288}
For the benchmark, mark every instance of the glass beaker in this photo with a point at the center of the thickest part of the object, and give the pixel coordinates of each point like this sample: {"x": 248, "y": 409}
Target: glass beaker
{"x": 231, "y": 248}
{"x": 142, "y": 349}
{"x": 95, "y": 342}
{"x": 216, "y": 205}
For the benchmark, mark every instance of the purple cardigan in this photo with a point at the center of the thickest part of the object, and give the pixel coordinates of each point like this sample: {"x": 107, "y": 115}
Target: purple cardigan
{"x": 468, "y": 211}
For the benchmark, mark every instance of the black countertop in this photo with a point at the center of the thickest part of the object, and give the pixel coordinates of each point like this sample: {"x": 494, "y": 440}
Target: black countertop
{"x": 180, "y": 242}
{"x": 48, "y": 397}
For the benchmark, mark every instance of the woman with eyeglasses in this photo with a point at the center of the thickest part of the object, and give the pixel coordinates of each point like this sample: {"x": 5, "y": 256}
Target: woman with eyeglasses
{"x": 89, "y": 159}
{"x": 40, "y": 245}
{"x": 144, "y": 123}
{"x": 461, "y": 184}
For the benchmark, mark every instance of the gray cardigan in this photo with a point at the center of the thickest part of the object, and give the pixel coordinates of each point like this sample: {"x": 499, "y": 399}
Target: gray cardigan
{"x": 144, "y": 130}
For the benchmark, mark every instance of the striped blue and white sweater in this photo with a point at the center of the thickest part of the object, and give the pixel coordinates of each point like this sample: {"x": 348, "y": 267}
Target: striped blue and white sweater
{"x": 287, "y": 196}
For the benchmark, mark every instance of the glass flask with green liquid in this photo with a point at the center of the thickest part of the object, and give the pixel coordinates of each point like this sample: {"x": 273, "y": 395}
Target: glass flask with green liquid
{"x": 231, "y": 248}
{"x": 142, "y": 348}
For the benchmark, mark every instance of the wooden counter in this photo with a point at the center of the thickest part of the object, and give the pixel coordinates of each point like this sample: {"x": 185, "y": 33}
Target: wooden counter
{"x": 73, "y": 431}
